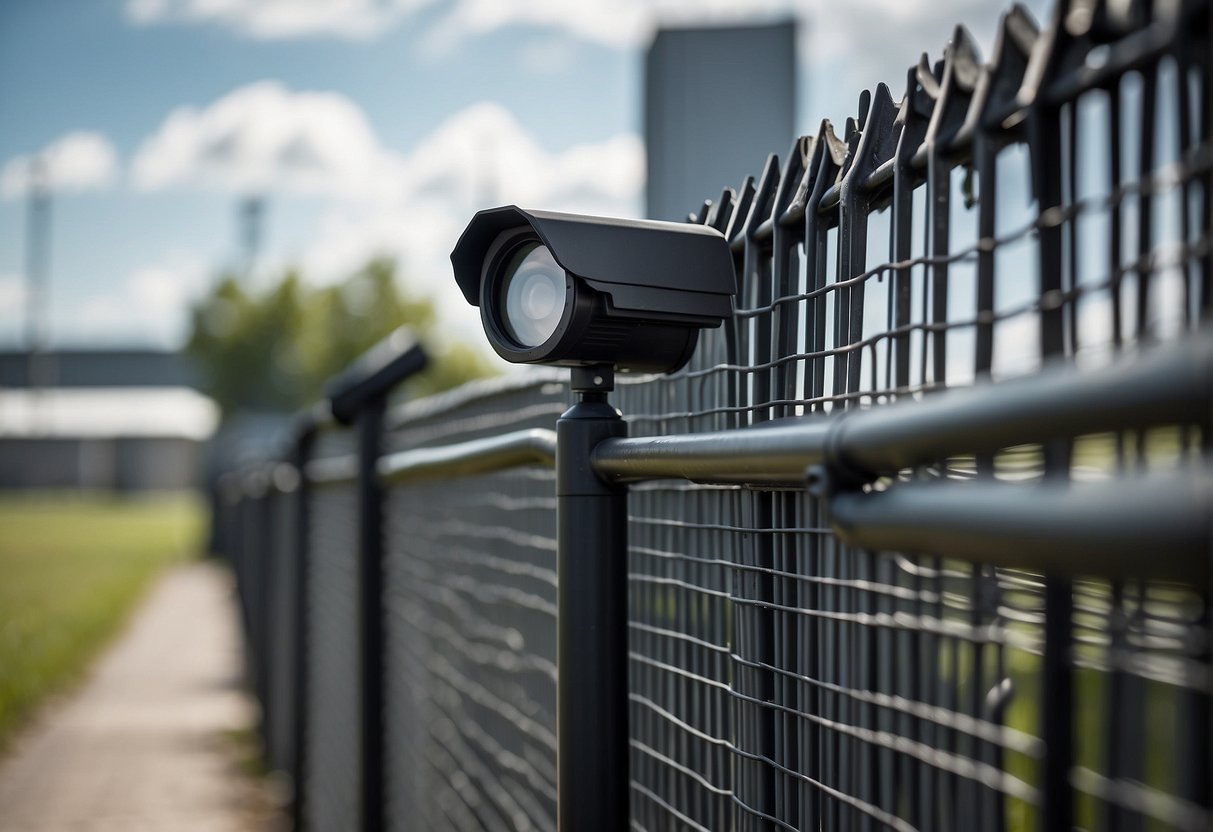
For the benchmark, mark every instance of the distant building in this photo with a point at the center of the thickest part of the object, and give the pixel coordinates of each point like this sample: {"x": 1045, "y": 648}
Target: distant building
{"x": 127, "y": 420}
{"x": 102, "y": 368}
{"x": 717, "y": 101}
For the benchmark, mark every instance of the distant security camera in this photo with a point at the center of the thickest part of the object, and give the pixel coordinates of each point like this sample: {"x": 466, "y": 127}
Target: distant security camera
{"x": 573, "y": 290}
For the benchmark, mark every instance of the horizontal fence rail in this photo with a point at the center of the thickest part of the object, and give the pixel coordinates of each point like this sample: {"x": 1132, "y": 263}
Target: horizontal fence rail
{"x": 478, "y": 456}
{"x": 1074, "y": 530}
{"x": 919, "y": 540}
{"x": 536, "y": 446}
{"x": 1171, "y": 386}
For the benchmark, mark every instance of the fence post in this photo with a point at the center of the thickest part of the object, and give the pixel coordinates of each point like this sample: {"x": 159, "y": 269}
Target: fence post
{"x": 369, "y": 426}
{"x": 1045, "y": 144}
{"x": 592, "y": 635}
{"x": 359, "y": 397}
{"x": 300, "y": 455}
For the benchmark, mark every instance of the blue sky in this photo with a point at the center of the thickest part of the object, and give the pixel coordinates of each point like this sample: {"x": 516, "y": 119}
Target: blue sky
{"x": 371, "y": 126}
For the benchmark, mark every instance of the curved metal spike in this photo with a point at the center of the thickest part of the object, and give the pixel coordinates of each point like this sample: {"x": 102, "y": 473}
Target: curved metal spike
{"x": 764, "y": 196}
{"x": 996, "y": 97}
{"x": 879, "y": 137}
{"x": 926, "y": 76}
{"x": 721, "y": 211}
{"x": 961, "y": 70}
{"x": 1056, "y": 50}
{"x": 794, "y": 211}
{"x": 865, "y": 105}
{"x": 741, "y": 209}
{"x": 790, "y": 180}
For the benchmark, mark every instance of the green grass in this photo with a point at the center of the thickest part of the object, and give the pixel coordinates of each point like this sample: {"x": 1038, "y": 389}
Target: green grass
{"x": 72, "y": 568}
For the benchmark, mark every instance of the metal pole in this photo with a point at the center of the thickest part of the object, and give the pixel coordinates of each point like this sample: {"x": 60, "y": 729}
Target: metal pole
{"x": 359, "y": 397}
{"x": 370, "y": 565}
{"x": 592, "y": 642}
{"x": 37, "y": 276}
{"x": 300, "y": 645}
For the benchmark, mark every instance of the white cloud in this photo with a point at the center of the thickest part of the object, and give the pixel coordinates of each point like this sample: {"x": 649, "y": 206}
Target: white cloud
{"x": 165, "y": 288}
{"x": 613, "y": 22}
{"x": 853, "y": 46}
{"x": 866, "y": 29}
{"x": 549, "y": 54}
{"x": 265, "y": 137}
{"x": 483, "y": 152}
{"x": 846, "y": 47}
{"x": 418, "y": 237}
{"x": 617, "y": 23}
{"x": 279, "y": 19}
{"x": 411, "y": 206}
{"x": 148, "y": 307}
{"x": 78, "y": 161}
{"x": 480, "y": 156}
{"x": 12, "y": 295}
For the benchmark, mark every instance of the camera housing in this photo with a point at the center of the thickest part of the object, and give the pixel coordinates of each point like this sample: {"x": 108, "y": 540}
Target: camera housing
{"x": 575, "y": 290}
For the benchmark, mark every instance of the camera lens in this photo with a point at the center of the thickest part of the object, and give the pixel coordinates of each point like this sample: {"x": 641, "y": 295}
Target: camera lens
{"x": 532, "y": 295}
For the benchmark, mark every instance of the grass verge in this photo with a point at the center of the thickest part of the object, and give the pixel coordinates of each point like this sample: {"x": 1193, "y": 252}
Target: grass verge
{"x": 72, "y": 568}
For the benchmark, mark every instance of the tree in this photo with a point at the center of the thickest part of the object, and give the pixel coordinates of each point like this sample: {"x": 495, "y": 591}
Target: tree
{"x": 274, "y": 349}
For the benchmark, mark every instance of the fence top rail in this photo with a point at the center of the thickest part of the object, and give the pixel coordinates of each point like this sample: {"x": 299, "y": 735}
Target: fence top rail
{"x": 1171, "y": 385}
{"x": 536, "y": 446}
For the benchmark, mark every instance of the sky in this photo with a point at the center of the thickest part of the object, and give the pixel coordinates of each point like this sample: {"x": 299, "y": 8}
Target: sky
{"x": 369, "y": 127}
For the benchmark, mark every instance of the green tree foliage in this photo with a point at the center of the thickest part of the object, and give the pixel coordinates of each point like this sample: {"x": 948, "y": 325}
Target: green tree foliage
{"x": 274, "y": 349}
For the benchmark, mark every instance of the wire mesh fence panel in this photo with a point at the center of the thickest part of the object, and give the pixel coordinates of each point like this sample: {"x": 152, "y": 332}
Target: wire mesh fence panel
{"x": 472, "y": 600}
{"x": 534, "y": 398}
{"x": 278, "y": 712}
{"x": 930, "y": 247}
{"x": 681, "y": 621}
{"x": 1048, "y": 206}
{"x": 470, "y": 594}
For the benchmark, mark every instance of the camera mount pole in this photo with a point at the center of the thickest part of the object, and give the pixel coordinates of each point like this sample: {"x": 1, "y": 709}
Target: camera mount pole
{"x": 592, "y": 627}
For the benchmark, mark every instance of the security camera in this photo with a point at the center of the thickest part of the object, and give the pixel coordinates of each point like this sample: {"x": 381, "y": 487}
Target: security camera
{"x": 575, "y": 290}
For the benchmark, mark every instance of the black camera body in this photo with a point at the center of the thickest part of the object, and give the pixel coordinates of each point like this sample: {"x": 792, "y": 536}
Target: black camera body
{"x": 574, "y": 290}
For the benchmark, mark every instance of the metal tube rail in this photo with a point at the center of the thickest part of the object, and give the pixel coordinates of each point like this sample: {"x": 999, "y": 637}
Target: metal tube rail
{"x": 535, "y": 446}
{"x": 774, "y": 454}
{"x": 478, "y": 456}
{"x": 1167, "y": 386}
{"x": 1123, "y": 528}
